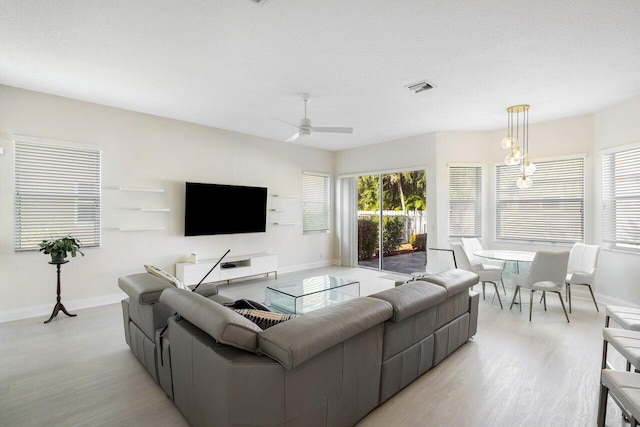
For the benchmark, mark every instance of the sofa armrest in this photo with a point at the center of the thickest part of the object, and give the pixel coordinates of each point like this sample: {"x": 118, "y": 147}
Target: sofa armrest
{"x": 297, "y": 340}
{"x": 144, "y": 288}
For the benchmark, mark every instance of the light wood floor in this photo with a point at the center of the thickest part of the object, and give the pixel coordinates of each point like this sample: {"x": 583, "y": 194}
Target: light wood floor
{"x": 80, "y": 372}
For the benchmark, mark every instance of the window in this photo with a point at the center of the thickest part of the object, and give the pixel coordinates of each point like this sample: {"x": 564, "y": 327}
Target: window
{"x": 465, "y": 201}
{"x": 315, "y": 203}
{"x": 57, "y": 192}
{"x": 550, "y": 211}
{"x": 621, "y": 198}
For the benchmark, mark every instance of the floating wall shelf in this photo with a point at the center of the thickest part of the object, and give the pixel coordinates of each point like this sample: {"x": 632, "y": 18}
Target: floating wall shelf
{"x": 287, "y": 196}
{"x": 285, "y": 223}
{"x": 278, "y": 210}
{"x": 149, "y": 227}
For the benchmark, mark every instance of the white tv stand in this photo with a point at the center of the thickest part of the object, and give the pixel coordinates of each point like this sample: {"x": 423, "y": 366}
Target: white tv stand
{"x": 245, "y": 265}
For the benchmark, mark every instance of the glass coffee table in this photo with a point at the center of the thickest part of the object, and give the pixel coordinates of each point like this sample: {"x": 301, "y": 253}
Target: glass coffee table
{"x": 310, "y": 294}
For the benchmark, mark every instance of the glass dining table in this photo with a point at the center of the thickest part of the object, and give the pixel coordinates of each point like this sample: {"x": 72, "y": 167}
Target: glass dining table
{"x": 504, "y": 255}
{"x": 516, "y": 257}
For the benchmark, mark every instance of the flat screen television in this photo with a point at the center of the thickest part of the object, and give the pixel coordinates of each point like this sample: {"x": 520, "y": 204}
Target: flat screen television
{"x": 224, "y": 209}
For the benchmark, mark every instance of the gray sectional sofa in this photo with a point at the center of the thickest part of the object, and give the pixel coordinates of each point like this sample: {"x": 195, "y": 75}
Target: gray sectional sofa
{"x": 328, "y": 367}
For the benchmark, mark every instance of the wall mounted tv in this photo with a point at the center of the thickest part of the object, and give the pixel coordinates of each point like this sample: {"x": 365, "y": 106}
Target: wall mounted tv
{"x": 224, "y": 209}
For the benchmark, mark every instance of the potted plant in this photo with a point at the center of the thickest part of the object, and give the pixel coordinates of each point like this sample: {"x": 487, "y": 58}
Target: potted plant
{"x": 58, "y": 248}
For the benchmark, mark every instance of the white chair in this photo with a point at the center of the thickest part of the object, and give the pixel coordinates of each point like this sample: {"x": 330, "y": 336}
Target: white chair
{"x": 582, "y": 268}
{"x": 491, "y": 275}
{"x": 471, "y": 245}
{"x": 546, "y": 274}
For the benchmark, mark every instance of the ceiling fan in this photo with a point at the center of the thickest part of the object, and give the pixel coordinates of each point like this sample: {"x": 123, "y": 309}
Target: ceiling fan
{"x": 305, "y": 129}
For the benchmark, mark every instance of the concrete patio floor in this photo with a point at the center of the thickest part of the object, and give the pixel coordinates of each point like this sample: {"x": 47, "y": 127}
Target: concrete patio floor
{"x": 403, "y": 263}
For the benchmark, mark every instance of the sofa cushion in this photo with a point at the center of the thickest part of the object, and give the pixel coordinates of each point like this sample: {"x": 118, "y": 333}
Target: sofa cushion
{"x": 454, "y": 281}
{"x": 171, "y": 279}
{"x": 411, "y": 298}
{"x": 264, "y": 319}
{"x": 223, "y": 324}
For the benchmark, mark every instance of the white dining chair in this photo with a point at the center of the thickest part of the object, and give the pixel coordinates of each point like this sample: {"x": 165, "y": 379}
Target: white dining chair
{"x": 471, "y": 245}
{"x": 546, "y": 274}
{"x": 492, "y": 275}
{"x": 581, "y": 269}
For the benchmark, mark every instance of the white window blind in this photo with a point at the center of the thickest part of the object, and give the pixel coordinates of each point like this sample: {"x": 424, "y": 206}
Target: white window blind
{"x": 315, "y": 201}
{"x": 550, "y": 211}
{"x": 621, "y": 198}
{"x": 465, "y": 201}
{"x": 57, "y": 192}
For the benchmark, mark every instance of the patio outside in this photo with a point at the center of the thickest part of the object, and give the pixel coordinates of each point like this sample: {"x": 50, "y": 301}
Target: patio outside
{"x": 392, "y": 221}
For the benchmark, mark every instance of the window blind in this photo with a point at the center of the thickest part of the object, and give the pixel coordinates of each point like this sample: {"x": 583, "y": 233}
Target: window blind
{"x": 57, "y": 192}
{"x": 315, "y": 201}
{"x": 550, "y": 211}
{"x": 621, "y": 199}
{"x": 465, "y": 201}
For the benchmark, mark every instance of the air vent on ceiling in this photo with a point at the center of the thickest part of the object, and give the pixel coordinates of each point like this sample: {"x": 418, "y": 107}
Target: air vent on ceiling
{"x": 420, "y": 86}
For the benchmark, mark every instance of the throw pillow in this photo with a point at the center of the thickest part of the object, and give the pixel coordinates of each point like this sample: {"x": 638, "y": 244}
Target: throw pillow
{"x": 246, "y": 303}
{"x": 264, "y": 319}
{"x": 158, "y": 272}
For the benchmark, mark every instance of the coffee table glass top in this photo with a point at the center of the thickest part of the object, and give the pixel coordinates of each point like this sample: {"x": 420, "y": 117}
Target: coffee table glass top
{"x": 310, "y": 294}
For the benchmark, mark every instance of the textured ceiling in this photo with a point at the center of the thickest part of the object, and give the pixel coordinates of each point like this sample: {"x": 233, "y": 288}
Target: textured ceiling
{"x": 236, "y": 65}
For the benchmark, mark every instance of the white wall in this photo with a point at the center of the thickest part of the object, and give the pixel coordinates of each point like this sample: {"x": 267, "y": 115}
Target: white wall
{"x": 417, "y": 152}
{"x": 140, "y": 150}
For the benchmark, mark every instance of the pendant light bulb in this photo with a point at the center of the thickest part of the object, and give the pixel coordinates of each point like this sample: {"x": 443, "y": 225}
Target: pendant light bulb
{"x": 510, "y": 160}
{"x": 529, "y": 168}
{"x": 517, "y": 154}
{"x": 524, "y": 182}
{"x": 506, "y": 142}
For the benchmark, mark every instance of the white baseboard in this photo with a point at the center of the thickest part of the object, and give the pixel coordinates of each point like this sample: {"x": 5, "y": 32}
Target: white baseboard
{"x": 71, "y": 305}
{"x": 300, "y": 267}
{"x": 608, "y": 300}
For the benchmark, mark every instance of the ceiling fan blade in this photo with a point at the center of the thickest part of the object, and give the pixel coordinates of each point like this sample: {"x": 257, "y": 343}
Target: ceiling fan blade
{"x": 333, "y": 130}
{"x": 286, "y": 123}
{"x": 293, "y": 137}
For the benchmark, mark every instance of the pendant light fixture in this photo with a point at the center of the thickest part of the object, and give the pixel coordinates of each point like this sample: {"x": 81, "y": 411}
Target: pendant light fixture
{"x": 517, "y": 141}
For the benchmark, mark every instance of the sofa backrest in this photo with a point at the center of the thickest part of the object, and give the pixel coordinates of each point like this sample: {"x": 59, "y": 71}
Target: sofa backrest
{"x": 411, "y": 298}
{"x": 223, "y": 324}
{"x": 143, "y": 288}
{"x": 454, "y": 281}
{"x": 297, "y": 340}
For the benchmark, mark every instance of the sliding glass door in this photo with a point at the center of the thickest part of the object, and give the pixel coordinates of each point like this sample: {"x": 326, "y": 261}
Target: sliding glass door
{"x": 392, "y": 221}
